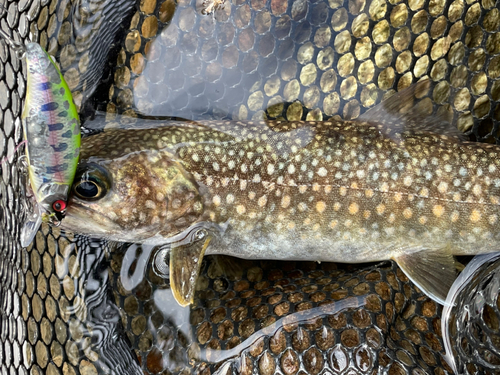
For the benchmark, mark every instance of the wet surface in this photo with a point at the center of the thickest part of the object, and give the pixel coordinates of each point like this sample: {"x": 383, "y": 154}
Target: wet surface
{"x": 63, "y": 301}
{"x": 472, "y": 317}
{"x": 265, "y": 317}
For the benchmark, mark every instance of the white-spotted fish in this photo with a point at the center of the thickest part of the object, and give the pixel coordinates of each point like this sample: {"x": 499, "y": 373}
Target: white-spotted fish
{"x": 368, "y": 190}
{"x": 52, "y": 132}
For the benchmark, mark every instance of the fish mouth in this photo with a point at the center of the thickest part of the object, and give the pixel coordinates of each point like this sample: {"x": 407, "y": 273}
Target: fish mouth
{"x": 85, "y": 220}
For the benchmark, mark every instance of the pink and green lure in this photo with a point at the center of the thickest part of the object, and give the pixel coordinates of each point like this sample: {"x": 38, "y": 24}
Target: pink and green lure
{"x": 52, "y": 132}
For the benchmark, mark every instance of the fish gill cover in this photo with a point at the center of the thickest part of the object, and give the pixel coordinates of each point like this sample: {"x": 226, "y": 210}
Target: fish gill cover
{"x": 293, "y": 60}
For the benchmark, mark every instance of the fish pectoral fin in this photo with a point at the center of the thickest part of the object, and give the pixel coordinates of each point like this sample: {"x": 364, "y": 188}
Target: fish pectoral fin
{"x": 31, "y": 226}
{"x": 433, "y": 271}
{"x": 185, "y": 264}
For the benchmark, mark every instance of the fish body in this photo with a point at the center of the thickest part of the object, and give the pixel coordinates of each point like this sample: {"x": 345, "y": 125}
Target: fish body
{"x": 340, "y": 183}
{"x": 52, "y": 133}
{"x": 342, "y": 191}
{"x": 397, "y": 184}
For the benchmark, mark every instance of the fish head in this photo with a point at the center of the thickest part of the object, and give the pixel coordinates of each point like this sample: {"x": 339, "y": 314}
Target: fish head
{"x": 145, "y": 196}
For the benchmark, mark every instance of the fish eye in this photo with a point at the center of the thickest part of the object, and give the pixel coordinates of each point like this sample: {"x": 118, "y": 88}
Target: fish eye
{"x": 91, "y": 183}
{"x": 87, "y": 189}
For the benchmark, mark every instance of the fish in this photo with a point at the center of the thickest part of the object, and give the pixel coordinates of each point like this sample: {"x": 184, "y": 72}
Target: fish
{"x": 372, "y": 189}
{"x": 51, "y": 129}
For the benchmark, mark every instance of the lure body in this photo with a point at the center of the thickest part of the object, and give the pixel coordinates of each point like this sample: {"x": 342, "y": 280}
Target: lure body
{"x": 52, "y": 133}
{"x": 51, "y": 128}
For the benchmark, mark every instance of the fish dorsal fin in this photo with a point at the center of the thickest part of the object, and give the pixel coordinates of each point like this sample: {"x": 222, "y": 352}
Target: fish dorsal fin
{"x": 409, "y": 111}
{"x": 432, "y": 270}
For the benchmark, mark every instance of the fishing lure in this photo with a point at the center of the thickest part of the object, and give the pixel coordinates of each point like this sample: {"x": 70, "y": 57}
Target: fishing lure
{"x": 51, "y": 130}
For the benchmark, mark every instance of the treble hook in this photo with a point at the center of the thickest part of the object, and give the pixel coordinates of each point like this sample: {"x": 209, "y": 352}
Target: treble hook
{"x": 19, "y": 48}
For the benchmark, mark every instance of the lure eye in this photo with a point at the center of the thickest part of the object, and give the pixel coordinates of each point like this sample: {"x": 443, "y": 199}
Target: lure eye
{"x": 59, "y": 205}
{"x": 91, "y": 183}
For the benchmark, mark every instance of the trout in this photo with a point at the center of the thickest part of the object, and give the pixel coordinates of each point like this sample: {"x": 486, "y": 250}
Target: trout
{"x": 368, "y": 190}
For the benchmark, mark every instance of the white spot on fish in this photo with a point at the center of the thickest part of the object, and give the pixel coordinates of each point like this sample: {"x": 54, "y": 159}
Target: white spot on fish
{"x": 150, "y": 204}
{"x": 216, "y": 200}
{"x": 320, "y": 206}
{"x": 285, "y": 201}
{"x": 322, "y": 172}
{"x": 262, "y": 201}
{"x": 443, "y": 187}
{"x": 476, "y": 190}
{"x": 408, "y": 180}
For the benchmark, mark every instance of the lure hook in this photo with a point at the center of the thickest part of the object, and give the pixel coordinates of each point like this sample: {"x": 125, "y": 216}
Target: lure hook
{"x": 19, "y": 48}
{"x": 55, "y": 222}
